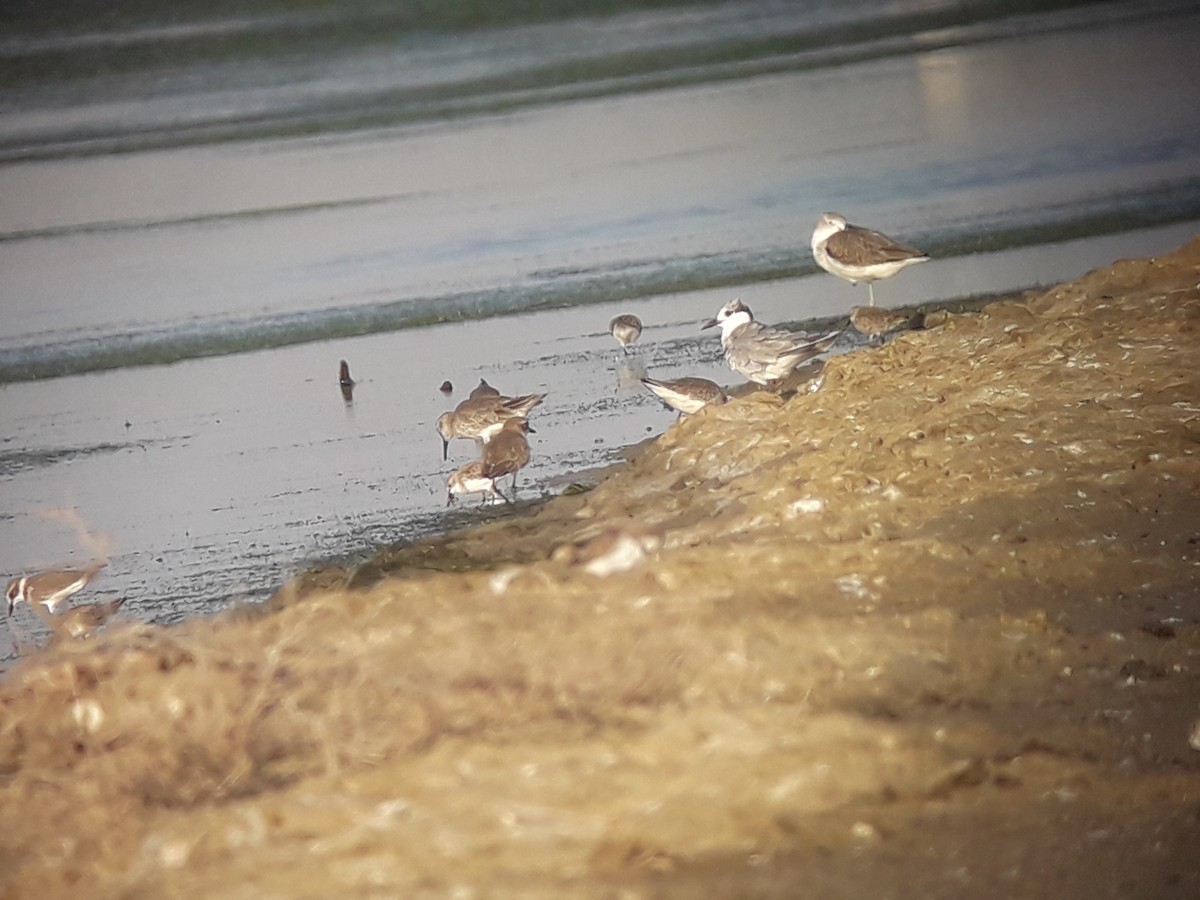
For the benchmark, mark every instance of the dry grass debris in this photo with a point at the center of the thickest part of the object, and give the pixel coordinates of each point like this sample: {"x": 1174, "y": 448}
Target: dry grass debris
{"x": 930, "y": 630}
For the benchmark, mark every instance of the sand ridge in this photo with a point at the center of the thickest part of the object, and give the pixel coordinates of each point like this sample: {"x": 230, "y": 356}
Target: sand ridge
{"x": 930, "y": 630}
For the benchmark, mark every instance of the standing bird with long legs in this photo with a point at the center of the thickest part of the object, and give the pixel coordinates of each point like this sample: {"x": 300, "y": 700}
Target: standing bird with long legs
{"x": 859, "y": 254}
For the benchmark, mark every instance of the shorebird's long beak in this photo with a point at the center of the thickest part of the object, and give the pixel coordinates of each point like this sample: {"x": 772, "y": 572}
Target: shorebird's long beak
{"x": 711, "y": 323}
{"x": 445, "y": 449}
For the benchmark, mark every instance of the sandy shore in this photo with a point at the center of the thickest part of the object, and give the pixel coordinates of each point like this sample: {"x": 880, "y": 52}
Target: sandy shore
{"x": 930, "y": 631}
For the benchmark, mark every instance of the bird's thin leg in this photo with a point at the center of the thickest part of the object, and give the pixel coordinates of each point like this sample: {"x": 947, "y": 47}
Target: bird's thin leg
{"x": 871, "y": 291}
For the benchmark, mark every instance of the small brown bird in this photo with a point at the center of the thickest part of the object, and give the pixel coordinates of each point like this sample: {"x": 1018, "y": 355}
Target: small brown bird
{"x": 479, "y": 418}
{"x": 876, "y": 322}
{"x": 626, "y": 329}
{"x": 857, "y": 254}
{"x": 506, "y": 453}
{"x": 82, "y": 621}
{"x": 688, "y": 395}
{"x": 468, "y": 479}
{"x": 52, "y": 589}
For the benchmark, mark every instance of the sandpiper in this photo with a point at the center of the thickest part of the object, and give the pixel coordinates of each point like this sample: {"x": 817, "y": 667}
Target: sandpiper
{"x": 468, "y": 479}
{"x": 479, "y": 418}
{"x": 876, "y": 322}
{"x": 345, "y": 382}
{"x": 764, "y": 355}
{"x": 626, "y": 329}
{"x": 859, "y": 254}
{"x": 52, "y": 589}
{"x": 82, "y": 621}
{"x": 483, "y": 389}
{"x": 505, "y": 453}
{"x": 688, "y": 395}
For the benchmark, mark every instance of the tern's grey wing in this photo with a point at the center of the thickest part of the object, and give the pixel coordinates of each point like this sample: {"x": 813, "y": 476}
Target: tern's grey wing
{"x": 772, "y": 343}
{"x": 757, "y": 351}
{"x": 863, "y": 247}
{"x": 766, "y": 354}
{"x": 816, "y": 343}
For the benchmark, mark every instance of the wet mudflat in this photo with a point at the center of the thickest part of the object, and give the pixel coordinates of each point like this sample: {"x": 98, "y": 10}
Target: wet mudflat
{"x": 931, "y": 630}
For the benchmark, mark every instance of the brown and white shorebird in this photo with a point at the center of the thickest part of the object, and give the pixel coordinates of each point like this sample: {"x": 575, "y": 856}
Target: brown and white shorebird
{"x": 762, "y": 354}
{"x": 52, "y": 589}
{"x": 506, "y": 453}
{"x": 688, "y": 395}
{"x": 626, "y": 329}
{"x": 859, "y": 254}
{"x": 876, "y": 322}
{"x": 82, "y": 621}
{"x": 468, "y": 479}
{"x": 479, "y": 418}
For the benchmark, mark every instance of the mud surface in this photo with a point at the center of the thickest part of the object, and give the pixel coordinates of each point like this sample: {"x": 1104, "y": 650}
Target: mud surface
{"x": 932, "y": 630}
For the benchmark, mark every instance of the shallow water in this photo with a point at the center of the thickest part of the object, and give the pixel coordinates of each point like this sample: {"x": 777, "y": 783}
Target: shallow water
{"x": 159, "y": 254}
{"x": 210, "y": 479}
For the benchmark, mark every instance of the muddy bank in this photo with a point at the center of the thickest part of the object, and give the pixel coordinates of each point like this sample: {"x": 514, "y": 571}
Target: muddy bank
{"x": 931, "y": 630}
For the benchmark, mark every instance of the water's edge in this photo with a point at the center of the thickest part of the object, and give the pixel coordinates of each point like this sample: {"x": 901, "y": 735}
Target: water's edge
{"x": 637, "y": 279}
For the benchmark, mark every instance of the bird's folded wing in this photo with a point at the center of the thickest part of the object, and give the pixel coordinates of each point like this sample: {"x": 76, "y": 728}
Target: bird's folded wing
{"x": 864, "y": 247}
